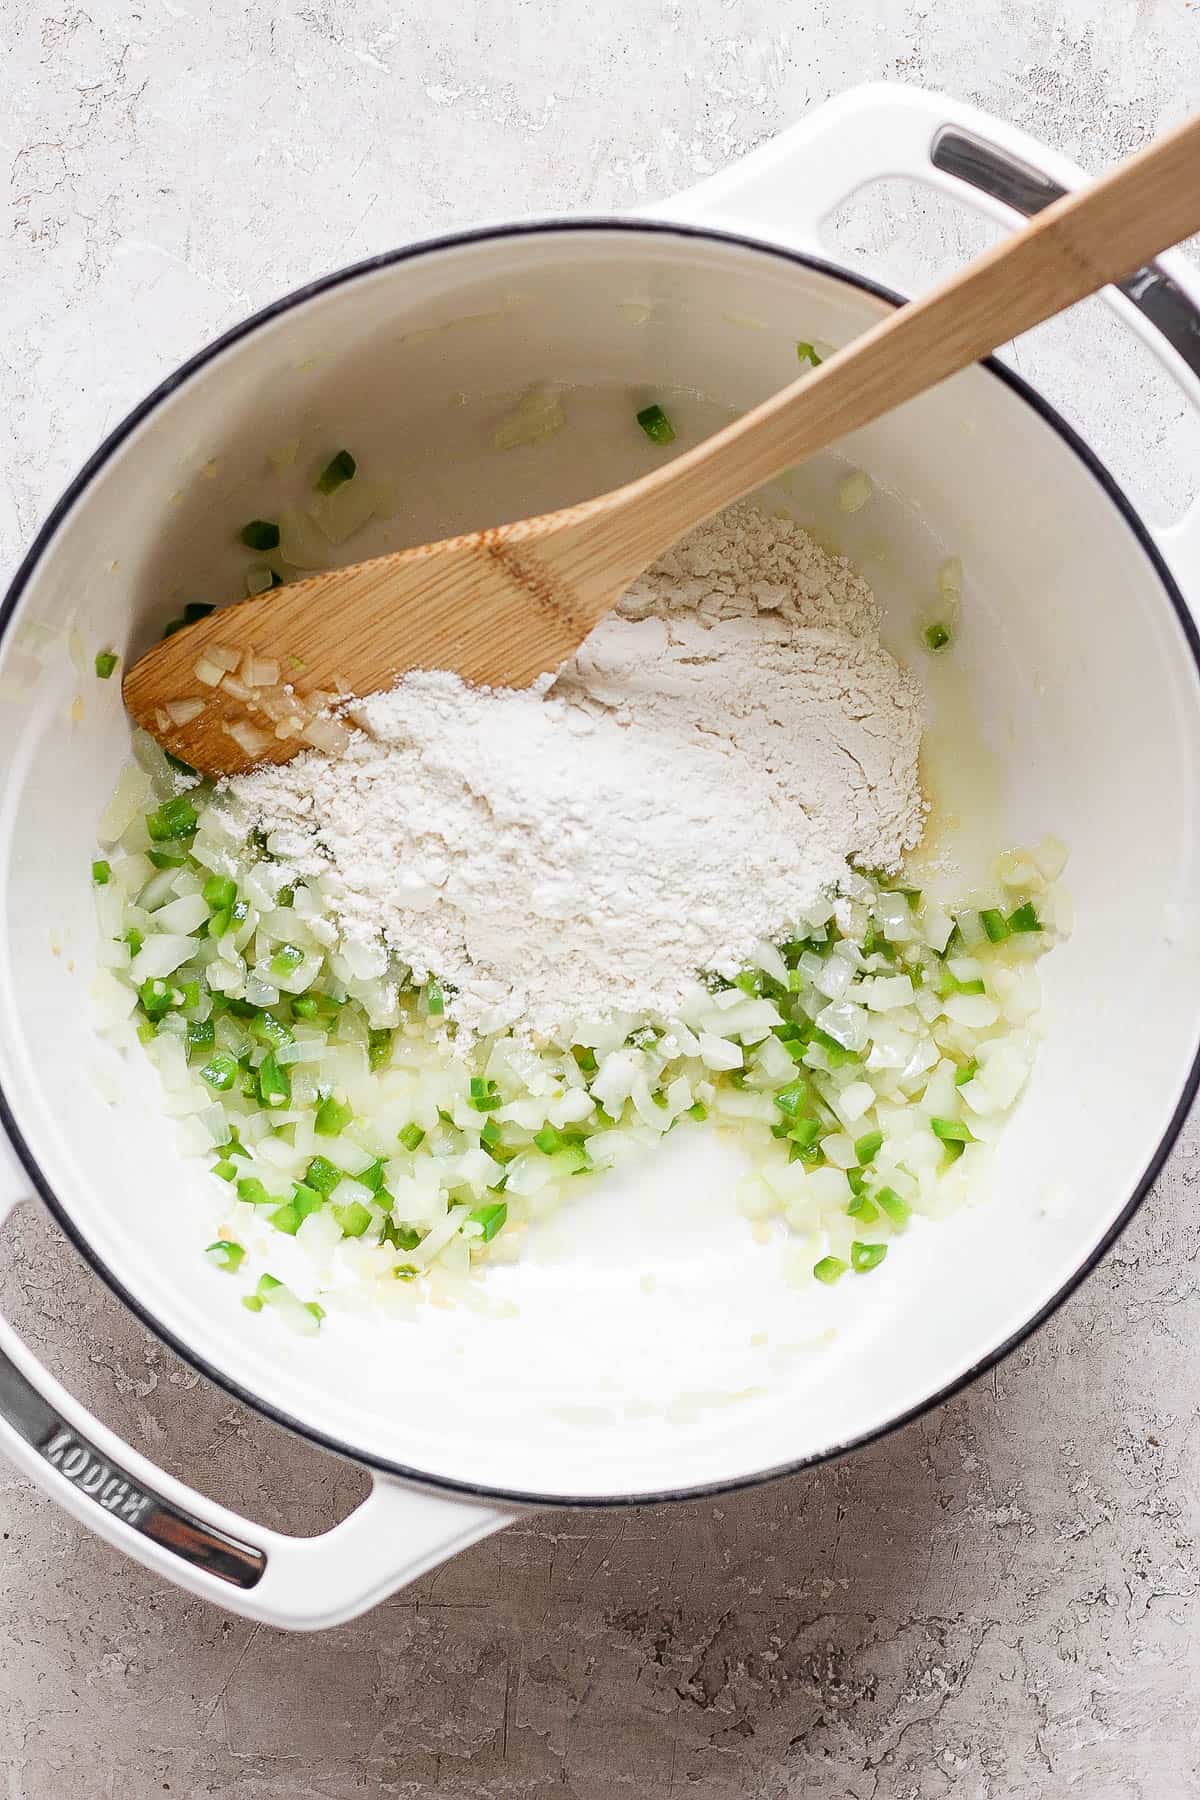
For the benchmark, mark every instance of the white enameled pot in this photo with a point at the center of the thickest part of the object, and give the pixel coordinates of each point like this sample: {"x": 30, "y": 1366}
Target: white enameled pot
{"x": 653, "y": 1348}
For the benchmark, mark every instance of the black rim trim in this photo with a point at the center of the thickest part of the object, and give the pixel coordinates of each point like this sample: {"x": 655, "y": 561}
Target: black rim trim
{"x": 383, "y": 1465}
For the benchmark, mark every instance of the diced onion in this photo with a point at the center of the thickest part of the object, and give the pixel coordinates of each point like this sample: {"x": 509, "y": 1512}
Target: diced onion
{"x": 259, "y": 671}
{"x": 364, "y": 1097}
{"x": 1019, "y": 869}
{"x": 845, "y": 1023}
{"x": 182, "y": 915}
{"x": 897, "y": 917}
{"x": 971, "y": 928}
{"x": 246, "y": 736}
{"x": 768, "y": 958}
{"x": 278, "y": 703}
{"x": 293, "y": 1312}
{"x": 259, "y": 579}
{"x": 719, "y": 1053}
{"x": 160, "y": 955}
{"x": 1051, "y": 857}
{"x": 854, "y": 1101}
{"x": 975, "y": 1010}
{"x": 937, "y": 926}
{"x": 329, "y": 735}
{"x": 182, "y": 712}
{"x": 130, "y": 797}
{"x": 887, "y": 993}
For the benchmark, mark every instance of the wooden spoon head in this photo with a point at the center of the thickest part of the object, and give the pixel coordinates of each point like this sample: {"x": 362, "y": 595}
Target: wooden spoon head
{"x": 247, "y": 683}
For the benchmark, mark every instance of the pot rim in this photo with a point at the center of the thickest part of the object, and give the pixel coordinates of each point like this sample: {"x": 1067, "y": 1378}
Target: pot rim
{"x": 99, "y": 460}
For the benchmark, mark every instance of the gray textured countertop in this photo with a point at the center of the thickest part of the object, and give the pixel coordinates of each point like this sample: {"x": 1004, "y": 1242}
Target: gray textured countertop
{"x": 998, "y": 1601}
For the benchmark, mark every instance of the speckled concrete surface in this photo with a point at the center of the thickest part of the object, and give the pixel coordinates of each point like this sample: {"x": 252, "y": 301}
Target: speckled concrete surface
{"x": 998, "y": 1601}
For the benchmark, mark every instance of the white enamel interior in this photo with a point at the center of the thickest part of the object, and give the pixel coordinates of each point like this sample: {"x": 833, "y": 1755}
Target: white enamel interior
{"x": 655, "y": 1344}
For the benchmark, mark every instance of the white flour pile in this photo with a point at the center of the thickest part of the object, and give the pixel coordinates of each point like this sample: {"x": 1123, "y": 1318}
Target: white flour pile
{"x": 689, "y": 785}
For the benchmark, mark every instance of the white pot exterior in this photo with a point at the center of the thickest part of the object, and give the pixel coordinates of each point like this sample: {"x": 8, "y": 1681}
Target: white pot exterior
{"x": 1071, "y": 705}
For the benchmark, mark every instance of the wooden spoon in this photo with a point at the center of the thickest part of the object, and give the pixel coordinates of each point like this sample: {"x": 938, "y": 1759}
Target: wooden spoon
{"x": 504, "y": 605}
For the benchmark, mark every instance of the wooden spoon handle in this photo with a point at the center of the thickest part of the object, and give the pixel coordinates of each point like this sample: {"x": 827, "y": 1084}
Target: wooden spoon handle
{"x": 1097, "y": 235}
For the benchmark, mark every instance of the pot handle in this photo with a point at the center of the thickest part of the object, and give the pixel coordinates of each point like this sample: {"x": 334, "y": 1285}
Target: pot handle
{"x": 300, "y": 1584}
{"x": 786, "y": 188}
